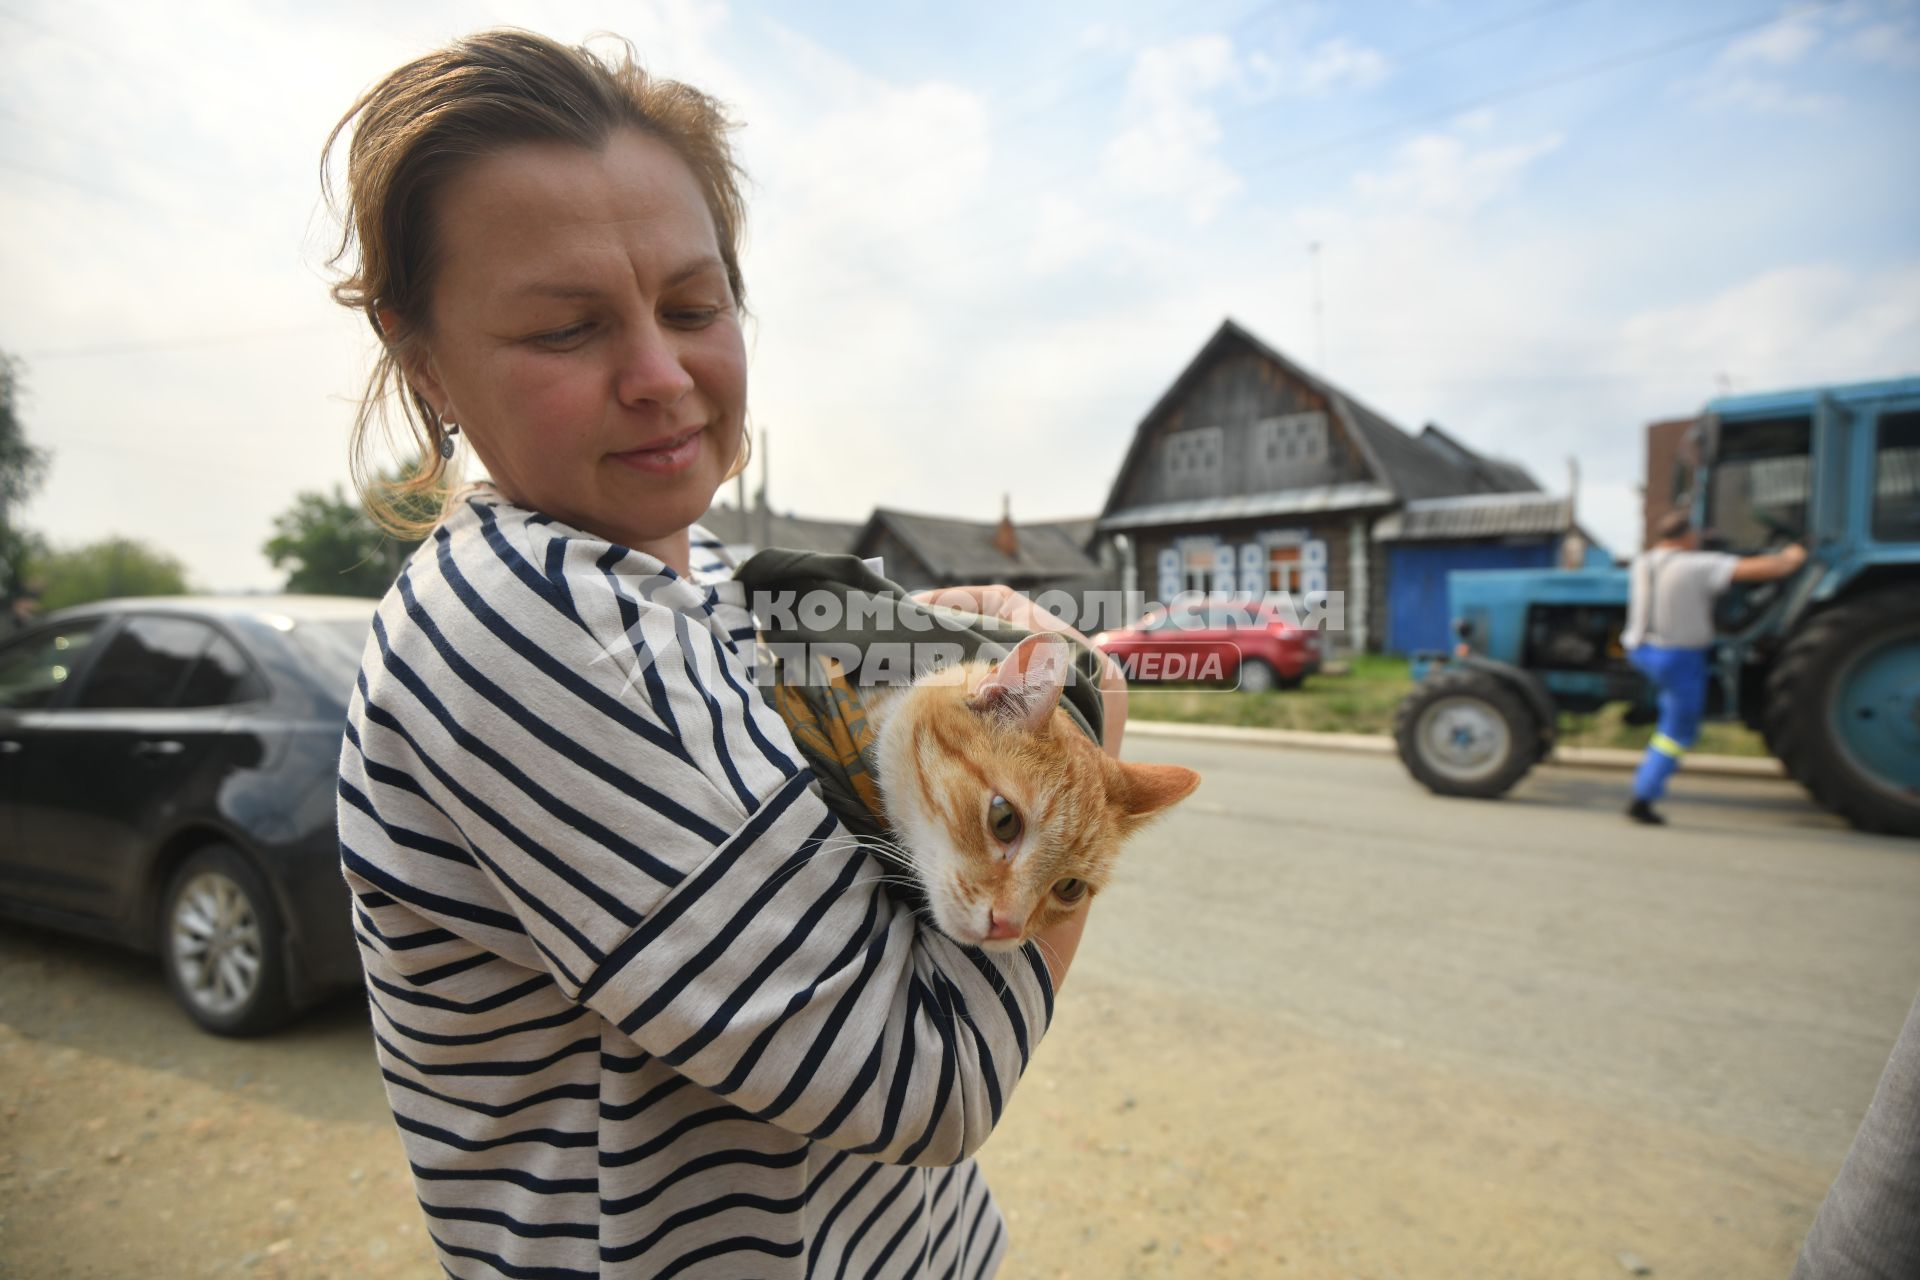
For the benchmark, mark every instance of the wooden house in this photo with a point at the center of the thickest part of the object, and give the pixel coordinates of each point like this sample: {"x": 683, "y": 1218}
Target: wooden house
{"x": 1251, "y": 475}
{"x": 1033, "y": 557}
{"x": 747, "y": 530}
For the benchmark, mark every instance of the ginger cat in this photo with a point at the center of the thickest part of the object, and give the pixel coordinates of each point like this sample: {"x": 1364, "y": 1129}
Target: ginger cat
{"x": 1006, "y": 813}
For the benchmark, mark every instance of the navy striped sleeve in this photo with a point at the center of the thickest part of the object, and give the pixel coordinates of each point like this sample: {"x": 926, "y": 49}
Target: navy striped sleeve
{"x": 559, "y": 760}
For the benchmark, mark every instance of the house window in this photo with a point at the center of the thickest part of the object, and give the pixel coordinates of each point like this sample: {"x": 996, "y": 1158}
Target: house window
{"x": 1197, "y": 567}
{"x": 1283, "y": 567}
{"x": 1283, "y": 443}
{"x": 1193, "y": 454}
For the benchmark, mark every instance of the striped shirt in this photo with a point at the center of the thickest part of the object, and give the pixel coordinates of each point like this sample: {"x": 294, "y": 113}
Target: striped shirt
{"x": 642, "y": 1006}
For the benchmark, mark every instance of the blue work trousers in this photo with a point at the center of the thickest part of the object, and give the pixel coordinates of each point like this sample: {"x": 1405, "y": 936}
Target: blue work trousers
{"x": 1680, "y": 676}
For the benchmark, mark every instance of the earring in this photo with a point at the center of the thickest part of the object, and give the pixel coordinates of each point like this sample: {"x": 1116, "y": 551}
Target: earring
{"x": 446, "y": 439}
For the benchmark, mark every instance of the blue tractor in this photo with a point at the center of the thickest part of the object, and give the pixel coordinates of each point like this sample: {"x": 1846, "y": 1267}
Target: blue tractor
{"x": 1825, "y": 665}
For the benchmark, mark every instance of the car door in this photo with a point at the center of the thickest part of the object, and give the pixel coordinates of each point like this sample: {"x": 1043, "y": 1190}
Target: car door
{"x": 1178, "y": 639}
{"x": 1216, "y": 647}
{"x": 36, "y": 674}
{"x": 111, "y": 768}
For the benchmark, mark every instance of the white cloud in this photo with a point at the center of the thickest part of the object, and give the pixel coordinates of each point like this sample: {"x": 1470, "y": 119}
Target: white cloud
{"x": 1292, "y": 66}
{"x": 1445, "y": 173}
{"x": 1336, "y": 64}
{"x": 934, "y": 297}
{"x": 1103, "y": 37}
{"x": 1168, "y": 148}
{"x": 1778, "y": 44}
{"x": 1765, "y": 71}
{"x": 1804, "y": 324}
{"x": 1066, "y": 235}
{"x": 1170, "y": 142}
{"x": 1770, "y": 97}
{"x": 1534, "y": 340}
{"x": 180, "y": 207}
{"x": 1889, "y": 44}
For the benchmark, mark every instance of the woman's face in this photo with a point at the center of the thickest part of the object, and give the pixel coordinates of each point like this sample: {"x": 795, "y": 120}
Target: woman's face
{"x": 584, "y": 336}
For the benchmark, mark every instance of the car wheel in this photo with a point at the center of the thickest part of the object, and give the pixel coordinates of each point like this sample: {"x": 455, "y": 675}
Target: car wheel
{"x": 1256, "y": 676}
{"x": 223, "y": 945}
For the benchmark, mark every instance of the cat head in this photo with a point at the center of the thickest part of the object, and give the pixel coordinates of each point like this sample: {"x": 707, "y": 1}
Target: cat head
{"x": 1011, "y": 813}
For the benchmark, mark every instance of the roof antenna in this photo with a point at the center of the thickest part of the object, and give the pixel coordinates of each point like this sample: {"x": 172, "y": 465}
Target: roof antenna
{"x": 1319, "y": 311}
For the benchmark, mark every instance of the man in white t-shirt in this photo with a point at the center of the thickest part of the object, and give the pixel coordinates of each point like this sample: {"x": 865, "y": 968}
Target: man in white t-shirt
{"x": 1669, "y": 636}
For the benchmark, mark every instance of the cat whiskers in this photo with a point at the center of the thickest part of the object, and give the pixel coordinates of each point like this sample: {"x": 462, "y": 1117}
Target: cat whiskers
{"x": 903, "y": 882}
{"x": 1052, "y": 954}
{"x": 841, "y": 843}
{"x": 904, "y": 870}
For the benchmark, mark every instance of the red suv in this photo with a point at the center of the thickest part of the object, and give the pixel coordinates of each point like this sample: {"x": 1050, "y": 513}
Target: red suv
{"x": 1249, "y": 642}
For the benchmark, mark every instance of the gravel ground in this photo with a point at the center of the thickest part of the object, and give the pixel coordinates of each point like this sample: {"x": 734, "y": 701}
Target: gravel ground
{"x": 1153, "y": 1137}
{"x": 1325, "y": 1026}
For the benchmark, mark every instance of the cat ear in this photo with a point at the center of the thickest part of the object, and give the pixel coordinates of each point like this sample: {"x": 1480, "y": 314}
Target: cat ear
{"x": 1142, "y": 790}
{"x": 1026, "y": 686}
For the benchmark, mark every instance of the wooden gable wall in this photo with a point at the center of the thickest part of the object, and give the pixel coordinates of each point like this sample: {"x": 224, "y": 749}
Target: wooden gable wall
{"x": 1243, "y": 426}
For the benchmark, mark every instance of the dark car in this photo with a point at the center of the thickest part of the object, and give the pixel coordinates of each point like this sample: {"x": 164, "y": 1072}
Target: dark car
{"x": 1251, "y": 642}
{"x": 168, "y": 771}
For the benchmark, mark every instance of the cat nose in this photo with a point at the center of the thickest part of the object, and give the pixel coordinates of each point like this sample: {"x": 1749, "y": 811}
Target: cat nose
{"x": 1000, "y": 927}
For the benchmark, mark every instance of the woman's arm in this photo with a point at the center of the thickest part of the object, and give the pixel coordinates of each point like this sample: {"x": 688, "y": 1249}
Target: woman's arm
{"x": 583, "y": 782}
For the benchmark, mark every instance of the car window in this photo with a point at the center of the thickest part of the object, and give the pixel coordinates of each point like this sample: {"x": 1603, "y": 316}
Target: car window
{"x": 334, "y": 647}
{"x": 219, "y": 678}
{"x": 145, "y": 663}
{"x": 33, "y": 669}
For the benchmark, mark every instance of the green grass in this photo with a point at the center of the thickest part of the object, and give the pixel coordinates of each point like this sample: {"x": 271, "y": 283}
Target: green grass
{"x": 1362, "y": 700}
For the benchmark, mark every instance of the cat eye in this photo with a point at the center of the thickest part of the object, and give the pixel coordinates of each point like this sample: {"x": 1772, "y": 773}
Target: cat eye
{"x": 1004, "y": 820}
{"x": 1070, "y": 890}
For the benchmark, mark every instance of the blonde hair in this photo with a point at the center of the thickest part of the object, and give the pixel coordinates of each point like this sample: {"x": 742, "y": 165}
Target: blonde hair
{"x": 421, "y": 124}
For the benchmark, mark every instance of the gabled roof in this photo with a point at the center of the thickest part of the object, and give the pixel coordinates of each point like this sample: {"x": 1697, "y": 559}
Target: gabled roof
{"x": 1496, "y": 475}
{"x": 1407, "y": 468}
{"x": 952, "y": 548}
{"x": 744, "y": 528}
{"x": 1078, "y": 531}
{"x": 1477, "y": 515}
{"x": 1311, "y": 500}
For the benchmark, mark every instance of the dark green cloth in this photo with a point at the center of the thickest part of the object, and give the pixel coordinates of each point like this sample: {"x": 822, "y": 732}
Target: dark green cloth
{"x": 873, "y": 610}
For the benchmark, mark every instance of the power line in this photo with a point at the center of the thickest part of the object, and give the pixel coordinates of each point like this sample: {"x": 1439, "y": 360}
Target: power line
{"x": 1413, "y": 54}
{"x": 1518, "y": 89}
{"x": 1505, "y": 93}
{"x": 1044, "y": 107}
{"x": 1614, "y": 62}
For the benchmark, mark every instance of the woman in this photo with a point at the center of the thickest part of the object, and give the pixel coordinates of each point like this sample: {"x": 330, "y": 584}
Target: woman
{"x": 643, "y": 1009}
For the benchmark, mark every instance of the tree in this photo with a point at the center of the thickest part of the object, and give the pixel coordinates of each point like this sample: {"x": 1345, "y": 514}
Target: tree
{"x": 22, "y": 468}
{"x": 334, "y": 546}
{"x": 103, "y": 571}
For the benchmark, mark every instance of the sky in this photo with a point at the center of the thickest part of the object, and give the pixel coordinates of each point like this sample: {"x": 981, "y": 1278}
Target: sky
{"x": 984, "y": 239}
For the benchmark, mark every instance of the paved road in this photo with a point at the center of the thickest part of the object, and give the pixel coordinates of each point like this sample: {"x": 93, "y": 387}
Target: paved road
{"x": 1745, "y": 969}
{"x": 1326, "y": 1025}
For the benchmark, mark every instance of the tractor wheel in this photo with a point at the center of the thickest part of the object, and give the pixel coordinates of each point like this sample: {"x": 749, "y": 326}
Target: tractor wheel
{"x": 1843, "y": 710}
{"x": 1464, "y": 733}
